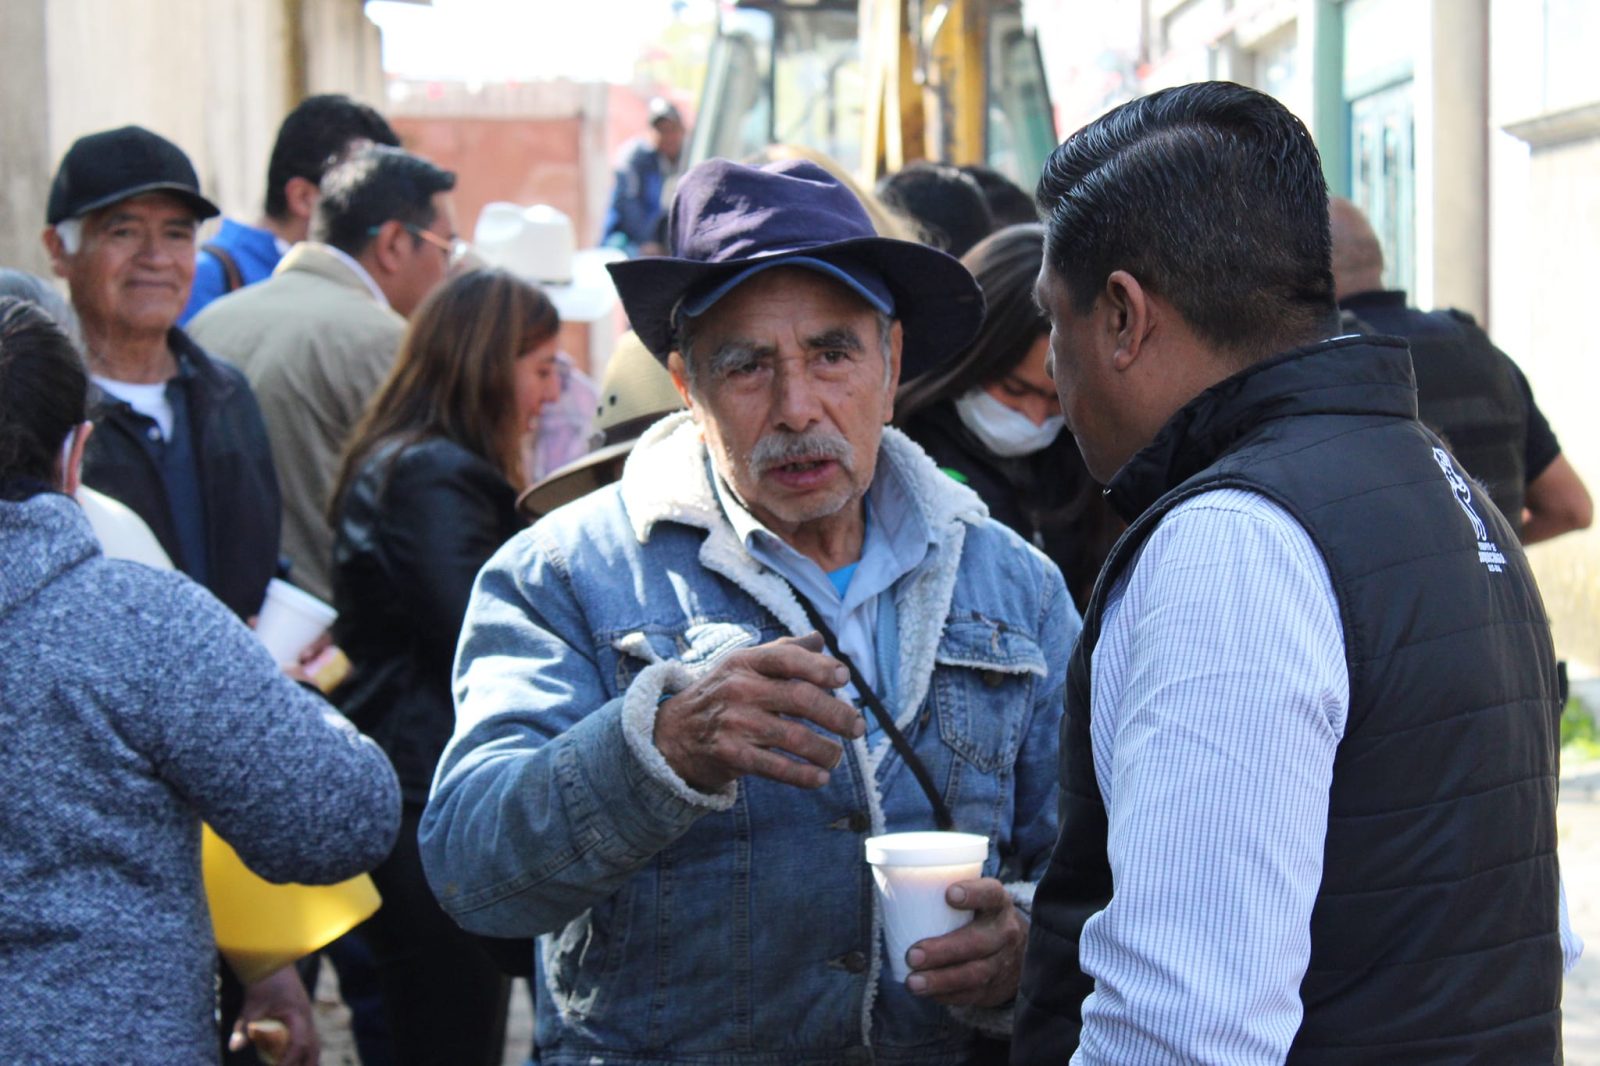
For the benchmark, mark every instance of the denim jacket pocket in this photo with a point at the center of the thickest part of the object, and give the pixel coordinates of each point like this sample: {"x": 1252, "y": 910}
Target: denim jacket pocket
{"x": 983, "y": 690}
{"x": 698, "y": 643}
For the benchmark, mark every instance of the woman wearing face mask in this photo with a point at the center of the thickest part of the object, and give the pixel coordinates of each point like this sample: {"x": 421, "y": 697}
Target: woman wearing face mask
{"x": 134, "y": 705}
{"x": 426, "y": 494}
{"x": 992, "y": 421}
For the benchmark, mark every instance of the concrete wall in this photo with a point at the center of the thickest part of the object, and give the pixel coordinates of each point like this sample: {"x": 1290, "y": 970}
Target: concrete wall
{"x": 24, "y": 135}
{"x": 1545, "y": 256}
{"x": 1453, "y": 157}
{"x": 214, "y": 76}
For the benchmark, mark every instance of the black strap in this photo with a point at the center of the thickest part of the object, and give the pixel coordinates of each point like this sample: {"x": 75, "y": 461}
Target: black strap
{"x": 231, "y": 277}
{"x": 941, "y": 813}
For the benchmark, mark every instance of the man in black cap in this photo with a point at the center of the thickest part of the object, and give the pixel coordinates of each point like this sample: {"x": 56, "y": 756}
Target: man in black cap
{"x": 645, "y": 170}
{"x": 181, "y": 440}
{"x": 179, "y": 437}
{"x": 661, "y": 771}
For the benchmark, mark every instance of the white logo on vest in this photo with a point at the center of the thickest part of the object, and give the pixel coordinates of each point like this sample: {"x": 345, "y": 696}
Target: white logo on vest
{"x": 1488, "y": 552}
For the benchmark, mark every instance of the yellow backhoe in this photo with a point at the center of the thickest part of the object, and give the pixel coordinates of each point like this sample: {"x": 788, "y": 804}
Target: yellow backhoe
{"x": 876, "y": 84}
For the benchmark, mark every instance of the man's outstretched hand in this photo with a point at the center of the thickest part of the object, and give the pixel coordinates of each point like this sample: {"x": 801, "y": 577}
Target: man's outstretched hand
{"x": 747, "y": 715}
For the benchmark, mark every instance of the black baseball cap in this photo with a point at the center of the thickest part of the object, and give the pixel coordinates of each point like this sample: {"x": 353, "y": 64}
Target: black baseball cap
{"x": 105, "y": 168}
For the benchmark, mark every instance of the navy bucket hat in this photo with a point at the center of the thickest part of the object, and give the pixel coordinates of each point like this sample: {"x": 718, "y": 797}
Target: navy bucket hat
{"x": 730, "y": 221}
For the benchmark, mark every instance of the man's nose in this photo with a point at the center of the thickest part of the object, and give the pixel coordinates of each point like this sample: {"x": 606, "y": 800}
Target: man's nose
{"x": 152, "y": 248}
{"x": 796, "y": 397}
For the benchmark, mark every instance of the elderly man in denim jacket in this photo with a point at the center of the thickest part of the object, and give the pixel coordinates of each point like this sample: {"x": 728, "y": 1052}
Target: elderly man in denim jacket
{"x": 659, "y": 770}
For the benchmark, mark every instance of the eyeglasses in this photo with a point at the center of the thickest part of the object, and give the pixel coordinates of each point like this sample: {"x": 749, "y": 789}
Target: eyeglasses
{"x": 454, "y": 248}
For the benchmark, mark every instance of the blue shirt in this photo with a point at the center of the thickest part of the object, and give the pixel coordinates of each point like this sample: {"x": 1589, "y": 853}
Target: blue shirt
{"x": 255, "y": 251}
{"x": 894, "y": 543}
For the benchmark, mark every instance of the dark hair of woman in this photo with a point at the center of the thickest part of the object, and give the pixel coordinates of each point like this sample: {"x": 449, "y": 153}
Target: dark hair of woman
{"x": 453, "y": 377}
{"x": 43, "y": 395}
{"x": 1048, "y": 495}
{"x": 1006, "y": 264}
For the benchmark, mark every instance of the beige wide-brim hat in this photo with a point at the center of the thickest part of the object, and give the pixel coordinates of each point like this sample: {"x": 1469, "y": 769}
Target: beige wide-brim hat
{"x": 635, "y": 393}
{"x": 538, "y": 244}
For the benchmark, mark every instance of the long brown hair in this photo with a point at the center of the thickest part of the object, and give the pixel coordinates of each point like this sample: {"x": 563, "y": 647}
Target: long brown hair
{"x": 454, "y": 374}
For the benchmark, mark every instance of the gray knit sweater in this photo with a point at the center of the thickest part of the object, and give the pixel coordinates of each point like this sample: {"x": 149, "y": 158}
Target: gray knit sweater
{"x": 132, "y": 706}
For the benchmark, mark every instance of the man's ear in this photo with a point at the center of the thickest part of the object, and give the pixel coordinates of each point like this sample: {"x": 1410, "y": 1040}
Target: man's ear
{"x": 302, "y": 195}
{"x": 897, "y": 341}
{"x": 680, "y": 381}
{"x": 388, "y": 249}
{"x": 72, "y": 475}
{"x": 1130, "y": 318}
{"x": 55, "y": 250}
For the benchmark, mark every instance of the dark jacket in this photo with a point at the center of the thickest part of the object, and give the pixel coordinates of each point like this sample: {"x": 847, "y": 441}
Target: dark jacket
{"x": 1434, "y": 936}
{"x": 413, "y": 531}
{"x": 1047, "y": 498}
{"x": 1468, "y": 391}
{"x": 238, "y": 484}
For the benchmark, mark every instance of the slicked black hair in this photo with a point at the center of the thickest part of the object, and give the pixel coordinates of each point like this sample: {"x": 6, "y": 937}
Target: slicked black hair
{"x": 313, "y": 137}
{"x": 376, "y": 185}
{"x": 1212, "y": 196}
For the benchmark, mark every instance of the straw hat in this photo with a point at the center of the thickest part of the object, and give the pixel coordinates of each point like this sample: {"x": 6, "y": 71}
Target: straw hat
{"x": 635, "y": 393}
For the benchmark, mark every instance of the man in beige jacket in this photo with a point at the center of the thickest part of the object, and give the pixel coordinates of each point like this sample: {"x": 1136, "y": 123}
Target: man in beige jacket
{"x": 318, "y": 337}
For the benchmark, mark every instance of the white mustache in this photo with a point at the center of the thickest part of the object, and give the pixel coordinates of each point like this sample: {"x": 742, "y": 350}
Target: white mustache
{"x": 782, "y": 447}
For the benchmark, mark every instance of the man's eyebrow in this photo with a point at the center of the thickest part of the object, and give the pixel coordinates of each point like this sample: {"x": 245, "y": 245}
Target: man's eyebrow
{"x": 735, "y": 353}
{"x": 838, "y": 337}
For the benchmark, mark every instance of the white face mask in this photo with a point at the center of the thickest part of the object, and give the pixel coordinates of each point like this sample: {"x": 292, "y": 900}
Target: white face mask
{"x": 1004, "y": 431}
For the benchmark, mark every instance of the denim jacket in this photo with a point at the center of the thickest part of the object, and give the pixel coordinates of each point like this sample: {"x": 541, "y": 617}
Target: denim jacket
{"x": 736, "y": 927}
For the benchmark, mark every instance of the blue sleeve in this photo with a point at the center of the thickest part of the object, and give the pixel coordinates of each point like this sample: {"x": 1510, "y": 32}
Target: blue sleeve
{"x": 282, "y": 777}
{"x": 209, "y": 283}
{"x": 542, "y": 805}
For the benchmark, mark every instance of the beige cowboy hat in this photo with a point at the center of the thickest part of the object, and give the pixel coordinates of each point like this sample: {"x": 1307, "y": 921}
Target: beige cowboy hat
{"x": 635, "y": 392}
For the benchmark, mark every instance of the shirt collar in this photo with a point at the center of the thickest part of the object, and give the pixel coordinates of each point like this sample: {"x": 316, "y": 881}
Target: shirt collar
{"x": 896, "y": 540}
{"x": 360, "y": 272}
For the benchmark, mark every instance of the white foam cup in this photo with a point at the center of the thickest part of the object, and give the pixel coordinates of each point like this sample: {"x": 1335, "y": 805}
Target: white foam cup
{"x": 290, "y": 620}
{"x": 912, "y": 871}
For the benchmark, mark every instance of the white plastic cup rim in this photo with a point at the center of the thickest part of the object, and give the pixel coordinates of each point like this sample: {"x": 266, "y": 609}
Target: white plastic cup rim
{"x": 290, "y": 619}
{"x": 928, "y": 848}
{"x": 300, "y": 600}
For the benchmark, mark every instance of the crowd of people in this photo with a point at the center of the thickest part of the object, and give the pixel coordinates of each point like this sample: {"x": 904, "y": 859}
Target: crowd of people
{"x": 1100, "y": 523}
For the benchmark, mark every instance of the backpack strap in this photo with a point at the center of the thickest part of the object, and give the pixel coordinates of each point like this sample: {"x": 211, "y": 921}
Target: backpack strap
{"x": 231, "y": 278}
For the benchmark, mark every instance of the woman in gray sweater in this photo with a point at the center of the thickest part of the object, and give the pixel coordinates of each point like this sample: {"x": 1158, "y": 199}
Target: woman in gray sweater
{"x": 134, "y": 706}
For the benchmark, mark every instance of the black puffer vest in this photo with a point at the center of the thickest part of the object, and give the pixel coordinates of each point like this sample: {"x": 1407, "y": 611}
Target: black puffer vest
{"x": 1434, "y": 935}
{"x": 1467, "y": 391}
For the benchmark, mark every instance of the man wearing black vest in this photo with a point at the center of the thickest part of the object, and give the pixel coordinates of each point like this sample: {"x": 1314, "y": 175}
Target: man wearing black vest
{"x": 1309, "y": 753}
{"x": 1468, "y": 391}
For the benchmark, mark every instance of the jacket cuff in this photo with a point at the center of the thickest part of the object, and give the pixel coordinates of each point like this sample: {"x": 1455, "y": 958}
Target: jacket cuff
{"x": 1021, "y": 893}
{"x": 639, "y": 703}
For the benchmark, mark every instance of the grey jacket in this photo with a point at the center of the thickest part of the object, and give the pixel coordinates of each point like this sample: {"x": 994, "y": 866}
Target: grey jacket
{"x": 133, "y": 705}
